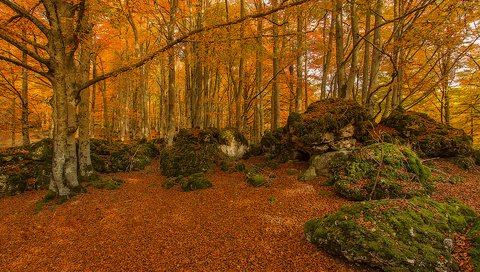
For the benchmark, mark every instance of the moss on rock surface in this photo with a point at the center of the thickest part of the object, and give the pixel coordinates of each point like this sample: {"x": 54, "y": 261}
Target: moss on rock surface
{"x": 380, "y": 171}
{"x": 196, "y": 182}
{"x": 195, "y": 151}
{"x": 428, "y": 137}
{"x": 29, "y": 167}
{"x": 115, "y": 156}
{"x": 329, "y": 125}
{"x": 276, "y": 145}
{"x": 394, "y": 235}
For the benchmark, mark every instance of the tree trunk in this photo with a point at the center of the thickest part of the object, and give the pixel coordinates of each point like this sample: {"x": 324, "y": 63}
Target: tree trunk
{"x": 258, "y": 111}
{"x": 84, "y": 159}
{"x": 366, "y": 59}
{"x": 300, "y": 49}
{"x": 327, "y": 57}
{"x": 25, "y": 113}
{"x": 356, "y": 38}
{"x": 172, "y": 97}
{"x": 339, "y": 50}
{"x": 276, "y": 71}
{"x": 241, "y": 72}
{"x": 376, "y": 55}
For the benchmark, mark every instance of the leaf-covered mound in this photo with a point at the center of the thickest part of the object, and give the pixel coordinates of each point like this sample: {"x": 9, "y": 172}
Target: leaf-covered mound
{"x": 428, "y": 137}
{"x": 195, "y": 150}
{"x": 394, "y": 235}
{"x": 380, "y": 171}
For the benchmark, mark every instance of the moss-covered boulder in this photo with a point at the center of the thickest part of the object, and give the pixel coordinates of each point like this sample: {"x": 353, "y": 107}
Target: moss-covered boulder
{"x": 329, "y": 125}
{"x": 195, "y": 182}
{"x": 380, "y": 171}
{"x": 326, "y": 126}
{"x": 29, "y": 167}
{"x": 321, "y": 165}
{"x": 276, "y": 145}
{"x": 233, "y": 143}
{"x": 26, "y": 167}
{"x": 115, "y": 156}
{"x": 394, "y": 235}
{"x": 428, "y": 137}
{"x": 196, "y": 150}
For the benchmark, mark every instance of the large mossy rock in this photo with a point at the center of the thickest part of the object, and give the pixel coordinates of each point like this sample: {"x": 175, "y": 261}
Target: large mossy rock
{"x": 329, "y": 125}
{"x": 321, "y": 165}
{"x": 276, "y": 145}
{"x": 326, "y": 126}
{"x": 196, "y": 151}
{"x": 29, "y": 167}
{"x": 26, "y": 167}
{"x": 380, "y": 171}
{"x": 394, "y": 235}
{"x": 428, "y": 137}
{"x": 115, "y": 156}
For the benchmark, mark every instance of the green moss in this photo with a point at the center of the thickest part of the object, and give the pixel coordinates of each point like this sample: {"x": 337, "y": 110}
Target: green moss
{"x": 466, "y": 163}
{"x": 277, "y": 146}
{"x": 196, "y": 182}
{"x": 107, "y": 183}
{"x": 428, "y": 137}
{"x": 394, "y": 235}
{"x": 172, "y": 182}
{"x": 193, "y": 151}
{"x": 381, "y": 171}
{"x": 239, "y": 167}
{"x": 474, "y": 252}
{"x": 256, "y": 180}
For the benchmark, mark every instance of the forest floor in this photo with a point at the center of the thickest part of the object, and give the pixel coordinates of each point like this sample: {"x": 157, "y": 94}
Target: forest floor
{"x": 144, "y": 227}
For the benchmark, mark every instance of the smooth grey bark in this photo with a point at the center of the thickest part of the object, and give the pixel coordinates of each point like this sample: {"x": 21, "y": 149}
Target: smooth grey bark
{"x": 327, "y": 56}
{"x": 24, "y": 100}
{"x": 84, "y": 159}
{"x": 299, "y": 66}
{"x": 376, "y": 55}
{"x": 241, "y": 73}
{"x": 366, "y": 59}
{"x": 172, "y": 96}
{"x": 355, "y": 39}
{"x": 340, "y": 50}
{"x": 276, "y": 69}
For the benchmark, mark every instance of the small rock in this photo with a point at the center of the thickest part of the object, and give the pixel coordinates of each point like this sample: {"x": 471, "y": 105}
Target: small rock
{"x": 346, "y": 144}
{"x": 448, "y": 243}
{"x": 309, "y": 174}
{"x": 347, "y": 132}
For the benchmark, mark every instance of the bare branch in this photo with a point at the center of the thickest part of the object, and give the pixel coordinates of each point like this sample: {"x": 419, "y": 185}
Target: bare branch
{"x": 23, "y": 48}
{"x": 24, "y": 13}
{"x": 151, "y": 56}
{"x": 26, "y": 66}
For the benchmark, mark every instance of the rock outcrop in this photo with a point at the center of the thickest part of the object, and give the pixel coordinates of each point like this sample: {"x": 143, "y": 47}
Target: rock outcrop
{"x": 426, "y": 136}
{"x": 195, "y": 150}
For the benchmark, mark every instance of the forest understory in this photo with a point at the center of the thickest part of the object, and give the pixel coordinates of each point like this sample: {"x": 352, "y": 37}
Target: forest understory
{"x": 144, "y": 227}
